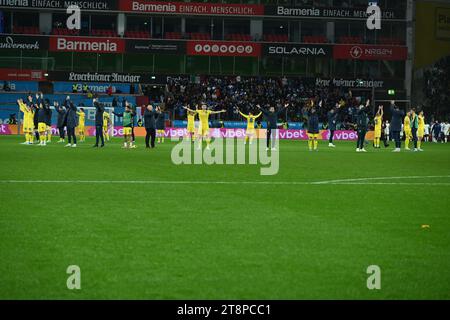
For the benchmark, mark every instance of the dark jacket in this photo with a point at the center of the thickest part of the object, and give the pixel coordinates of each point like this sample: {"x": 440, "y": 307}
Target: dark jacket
{"x": 61, "y": 117}
{"x": 99, "y": 109}
{"x": 332, "y": 120}
{"x": 271, "y": 118}
{"x": 313, "y": 122}
{"x": 362, "y": 120}
{"x": 396, "y": 119}
{"x": 42, "y": 114}
{"x": 149, "y": 119}
{"x": 71, "y": 117}
{"x": 48, "y": 113}
{"x": 160, "y": 121}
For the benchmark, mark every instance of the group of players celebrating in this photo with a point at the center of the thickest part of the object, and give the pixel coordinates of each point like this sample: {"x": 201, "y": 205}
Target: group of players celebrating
{"x": 38, "y": 114}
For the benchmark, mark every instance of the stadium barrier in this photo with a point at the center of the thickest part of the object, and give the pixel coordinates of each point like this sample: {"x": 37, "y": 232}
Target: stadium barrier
{"x": 289, "y": 134}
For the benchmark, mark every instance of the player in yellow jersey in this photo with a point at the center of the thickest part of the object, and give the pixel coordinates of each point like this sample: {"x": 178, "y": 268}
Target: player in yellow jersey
{"x": 407, "y": 129}
{"x": 203, "y": 129}
{"x": 420, "y": 130}
{"x": 250, "y": 132}
{"x": 378, "y": 122}
{"x": 81, "y": 125}
{"x": 106, "y": 124}
{"x": 191, "y": 125}
{"x": 28, "y": 121}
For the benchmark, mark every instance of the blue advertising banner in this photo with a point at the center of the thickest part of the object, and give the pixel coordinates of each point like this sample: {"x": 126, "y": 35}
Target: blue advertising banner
{"x": 95, "y": 87}
{"x": 19, "y": 86}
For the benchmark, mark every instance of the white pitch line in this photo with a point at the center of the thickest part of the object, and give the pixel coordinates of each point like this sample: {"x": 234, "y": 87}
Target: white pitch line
{"x": 347, "y": 181}
{"x": 358, "y": 181}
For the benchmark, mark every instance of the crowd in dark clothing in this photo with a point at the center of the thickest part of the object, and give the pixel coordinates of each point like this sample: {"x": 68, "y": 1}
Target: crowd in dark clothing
{"x": 233, "y": 93}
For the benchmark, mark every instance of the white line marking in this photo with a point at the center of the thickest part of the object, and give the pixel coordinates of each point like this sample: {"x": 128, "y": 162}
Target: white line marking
{"x": 377, "y": 178}
{"x": 356, "y": 181}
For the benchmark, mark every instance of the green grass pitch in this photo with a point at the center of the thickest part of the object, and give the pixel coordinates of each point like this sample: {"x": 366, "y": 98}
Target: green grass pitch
{"x": 221, "y": 240}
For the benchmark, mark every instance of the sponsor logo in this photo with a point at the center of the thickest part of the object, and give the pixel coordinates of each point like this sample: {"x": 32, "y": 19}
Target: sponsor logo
{"x": 56, "y": 4}
{"x": 307, "y": 12}
{"x": 111, "y": 77}
{"x": 356, "y": 52}
{"x": 10, "y": 44}
{"x": 328, "y": 12}
{"x": 153, "y": 7}
{"x": 223, "y": 48}
{"x": 349, "y": 83}
{"x": 87, "y": 45}
{"x": 303, "y": 51}
{"x": 14, "y": 3}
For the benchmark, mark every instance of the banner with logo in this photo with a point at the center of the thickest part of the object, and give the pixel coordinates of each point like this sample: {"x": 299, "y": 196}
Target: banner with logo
{"x": 113, "y": 77}
{"x": 87, "y": 44}
{"x": 330, "y": 13}
{"x": 96, "y": 87}
{"x": 31, "y": 43}
{"x": 297, "y": 50}
{"x": 223, "y": 48}
{"x": 369, "y": 52}
{"x": 358, "y": 83}
{"x": 87, "y": 5}
{"x": 21, "y": 75}
{"x": 23, "y": 86}
{"x": 339, "y": 135}
{"x": 152, "y": 46}
{"x": 191, "y": 8}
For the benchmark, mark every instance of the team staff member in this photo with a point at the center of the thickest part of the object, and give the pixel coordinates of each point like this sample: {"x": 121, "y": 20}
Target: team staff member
{"x": 271, "y": 119}
{"x": 362, "y": 121}
{"x": 414, "y": 127}
{"x": 150, "y": 126}
{"x": 71, "y": 123}
{"x": 332, "y": 116}
{"x": 133, "y": 121}
{"x": 396, "y": 125}
{"x": 60, "y": 121}
{"x": 99, "y": 110}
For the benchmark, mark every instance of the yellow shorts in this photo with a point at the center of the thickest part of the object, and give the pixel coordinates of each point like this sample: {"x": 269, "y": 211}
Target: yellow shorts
{"x": 191, "y": 129}
{"x": 27, "y": 128}
{"x": 408, "y": 134}
{"x": 42, "y": 127}
{"x": 421, "y": 133}
{"x": 250, "y": 132}
{"x": 377, "y": 133}
{"x": 313, "y": 135}
{"x": 80, "y": 128}
{"x": 203, "y": 132}
{"x": 127, "y": 131}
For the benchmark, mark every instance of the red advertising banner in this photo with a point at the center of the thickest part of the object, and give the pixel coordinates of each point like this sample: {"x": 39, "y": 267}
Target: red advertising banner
{"x": 21, "y": 75}
{"x": 223, "y": 48}
{"x": 369, "y": 52}
{"x": 87, "y": 44}
{"x": 191, "y": 8}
